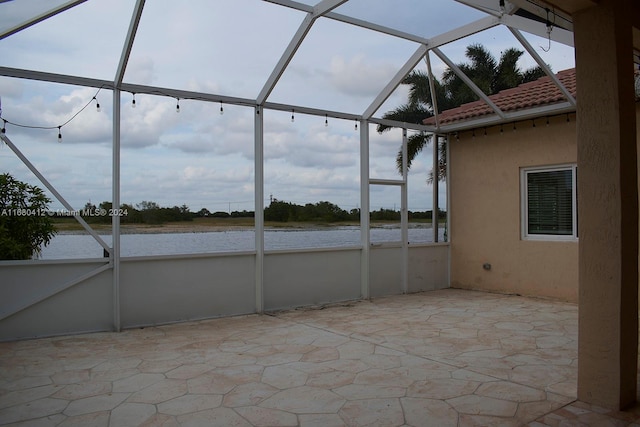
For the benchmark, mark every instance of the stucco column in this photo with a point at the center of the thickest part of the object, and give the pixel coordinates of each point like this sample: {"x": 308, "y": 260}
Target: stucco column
{"x": 607, "y": 206}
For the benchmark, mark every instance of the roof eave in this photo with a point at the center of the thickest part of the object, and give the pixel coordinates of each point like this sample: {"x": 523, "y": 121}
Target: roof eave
{"x": 513, "y": 116}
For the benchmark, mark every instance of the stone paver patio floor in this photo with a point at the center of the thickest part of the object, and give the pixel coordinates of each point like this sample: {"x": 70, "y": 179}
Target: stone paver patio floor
{"x": 442, "y": 358}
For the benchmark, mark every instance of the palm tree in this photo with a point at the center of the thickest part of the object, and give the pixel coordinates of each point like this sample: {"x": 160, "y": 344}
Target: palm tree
{"x": 489, "y": 75}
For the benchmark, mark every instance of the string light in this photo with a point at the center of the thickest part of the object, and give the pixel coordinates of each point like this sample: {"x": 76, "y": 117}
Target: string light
{"x": 356, "y": 126}
{"x": 59, "y": 127}
{"x": 177, "y": 105}
{"x": 133, "y": 101}
{"x": 473, "y": 134}
{"x": 547, "y": 120}
{"x": 221, "y": 109}
{"x": 534, "y": 122}
{"x": 501, "y": 129}
{"x": 568, "y": 118}
{"x": 293, "y": 119}
{"x": 485, "y": 131}
{"x": 514, "y": 126}
{"x": 326, "y": 120}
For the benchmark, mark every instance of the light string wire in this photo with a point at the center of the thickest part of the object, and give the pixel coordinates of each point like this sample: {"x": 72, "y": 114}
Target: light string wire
{"x": 94, "y": 98}
{"x": 77, "y": 113}
{"x": 59, "y": 127}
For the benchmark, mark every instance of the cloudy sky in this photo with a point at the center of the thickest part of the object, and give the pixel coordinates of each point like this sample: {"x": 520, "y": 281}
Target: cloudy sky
{"x": 199, "y": 157}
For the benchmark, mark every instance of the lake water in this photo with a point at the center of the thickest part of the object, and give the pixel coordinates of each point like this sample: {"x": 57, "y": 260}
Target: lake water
{"x": 64, "y": 246}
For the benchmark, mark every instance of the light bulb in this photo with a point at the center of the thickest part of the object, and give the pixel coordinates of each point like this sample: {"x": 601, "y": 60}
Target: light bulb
{"x": 59, "y": 134}
{"x": 356, "y": 126}
{"x": 178, "y": 106}
{"x": 133, "y": 101}
{"x": 293, "y": 119}
{"x": 221, "y": 109}
{"x": 98, "y": 108}
{"x": 326, "y": 121}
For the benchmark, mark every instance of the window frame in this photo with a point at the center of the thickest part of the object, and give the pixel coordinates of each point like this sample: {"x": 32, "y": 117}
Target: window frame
{"x": 524, "y": 203}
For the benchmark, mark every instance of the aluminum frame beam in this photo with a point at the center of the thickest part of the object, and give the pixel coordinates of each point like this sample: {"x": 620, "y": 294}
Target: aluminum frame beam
{"x": 294, "y": 44}
{"x": 435, "y": 140}
{"x": 404, "y": 215}
{"x": 365, "y": 220}
{"x": 395, "y": 81}
{"x": 39, "y": 18}
{"x": 35, "y": 299}
{"x": 432, "y": 89}
{"x": 471, "y": 28}
{"x": 208, "y": 97}
{"x": 53, "y": 191}
{"x": 543, "y": 65}
{"x": 258, "y": 194}
{"x": 469, "y": 82}
{"x": 128, "y": 43}
{"x": 559, "y": 35}
{"x": 54, "y": 77}
{"x": 353, "y": 21}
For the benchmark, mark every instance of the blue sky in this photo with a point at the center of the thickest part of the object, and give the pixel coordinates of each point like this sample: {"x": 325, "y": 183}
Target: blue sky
{"x": 199, "y": 157}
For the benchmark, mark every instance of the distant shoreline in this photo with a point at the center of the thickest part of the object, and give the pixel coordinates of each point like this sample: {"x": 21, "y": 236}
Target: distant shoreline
{"x": 216, "y": 226}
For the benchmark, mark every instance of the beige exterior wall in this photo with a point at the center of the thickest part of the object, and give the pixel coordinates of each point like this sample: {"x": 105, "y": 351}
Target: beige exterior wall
{"x": 485, "y": 204}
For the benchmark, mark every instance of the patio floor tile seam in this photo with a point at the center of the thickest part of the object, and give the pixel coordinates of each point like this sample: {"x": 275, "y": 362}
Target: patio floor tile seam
{"x": 359, "y": 336}
{"x": 362, "y": 338}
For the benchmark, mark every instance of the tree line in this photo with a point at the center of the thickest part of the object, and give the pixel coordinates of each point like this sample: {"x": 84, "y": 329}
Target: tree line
{"x": 279, "y": 211}
{"x": 148, "y": 212}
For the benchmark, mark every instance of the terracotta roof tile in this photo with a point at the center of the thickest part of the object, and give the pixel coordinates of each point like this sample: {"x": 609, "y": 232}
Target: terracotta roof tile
{"x": 527, "y": 95}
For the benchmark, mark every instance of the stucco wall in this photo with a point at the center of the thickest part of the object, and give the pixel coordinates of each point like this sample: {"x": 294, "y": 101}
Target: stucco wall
{"x": 485, "y": 211}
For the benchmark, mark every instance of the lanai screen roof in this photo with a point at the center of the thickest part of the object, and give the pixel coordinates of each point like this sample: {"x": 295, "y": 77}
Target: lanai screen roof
{"x": 343, "y": 59}
{"x": 329, "y": 62}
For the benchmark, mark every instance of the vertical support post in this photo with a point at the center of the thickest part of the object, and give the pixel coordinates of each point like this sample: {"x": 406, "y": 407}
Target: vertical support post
{"x": 436, "y": 190}
{"x": 115, "y": 204}
{"x": 404, "y": 215}
{"x": 447, "y": 229}
{"x": 607, "y": 205}
{"x": 259, "y": 205}
{"x": 364, "y": 209}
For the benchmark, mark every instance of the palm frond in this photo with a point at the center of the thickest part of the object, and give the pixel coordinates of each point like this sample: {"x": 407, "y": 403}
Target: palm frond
{"x": 415, "y": 144}
{"x": 405, "y": 114}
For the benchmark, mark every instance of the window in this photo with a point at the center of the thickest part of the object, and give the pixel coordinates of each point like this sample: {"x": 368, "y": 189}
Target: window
{"x": 549, "y": 203}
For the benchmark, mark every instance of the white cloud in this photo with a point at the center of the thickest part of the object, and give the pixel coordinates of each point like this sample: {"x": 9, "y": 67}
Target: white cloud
{"x": 360, "y": 76}
{"x": 140, "y": 70}
{"x": 10, "y": 88}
